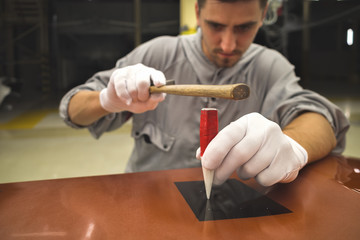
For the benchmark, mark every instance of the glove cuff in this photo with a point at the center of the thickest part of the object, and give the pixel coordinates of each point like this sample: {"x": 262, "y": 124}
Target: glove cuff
{"x": 104, "y": 101}
{"x": 300, "y": 151}
{"x": 302, "y": 157}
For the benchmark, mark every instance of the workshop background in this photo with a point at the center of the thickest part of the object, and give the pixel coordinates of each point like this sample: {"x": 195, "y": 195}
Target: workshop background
{"x": 47, "y": 47}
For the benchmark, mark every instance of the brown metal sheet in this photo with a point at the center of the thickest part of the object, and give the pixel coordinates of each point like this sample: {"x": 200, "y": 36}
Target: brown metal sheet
{"x": 148, "y": 205}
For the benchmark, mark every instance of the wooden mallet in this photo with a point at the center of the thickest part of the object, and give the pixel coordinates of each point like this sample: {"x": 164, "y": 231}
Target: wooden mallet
{"x": 237, "y": 91}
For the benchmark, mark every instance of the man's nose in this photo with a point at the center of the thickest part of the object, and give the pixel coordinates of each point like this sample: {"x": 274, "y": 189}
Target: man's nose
{"x": 228, "y": 42}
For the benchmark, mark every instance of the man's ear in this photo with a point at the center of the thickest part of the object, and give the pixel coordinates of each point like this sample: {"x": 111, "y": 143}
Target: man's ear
{"x": 197, "y": 12}
{"x": 264, "y": 13}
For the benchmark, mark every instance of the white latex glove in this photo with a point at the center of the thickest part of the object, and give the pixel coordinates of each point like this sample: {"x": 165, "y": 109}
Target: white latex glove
{"x": 255, "y": 147}
{"x": 128, "y": 90}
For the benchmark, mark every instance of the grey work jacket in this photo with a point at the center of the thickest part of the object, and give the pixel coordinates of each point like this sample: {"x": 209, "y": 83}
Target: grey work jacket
{"x": 168, "y": 136}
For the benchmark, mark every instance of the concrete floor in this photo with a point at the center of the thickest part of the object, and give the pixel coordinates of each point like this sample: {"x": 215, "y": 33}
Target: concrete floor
{"x": 35, "y": 144}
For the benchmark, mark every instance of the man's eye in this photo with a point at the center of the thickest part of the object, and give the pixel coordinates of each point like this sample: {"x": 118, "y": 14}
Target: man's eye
{"x": 244, "y": 28}
{"x": 216, "y": 27}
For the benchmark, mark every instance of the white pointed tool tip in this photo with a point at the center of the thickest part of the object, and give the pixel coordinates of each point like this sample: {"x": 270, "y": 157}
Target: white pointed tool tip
{"x": 208, "y": 180}
{"x": 208, "y": 192}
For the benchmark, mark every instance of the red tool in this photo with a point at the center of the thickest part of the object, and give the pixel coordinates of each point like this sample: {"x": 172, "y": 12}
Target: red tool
{"x": 208, "y": 129}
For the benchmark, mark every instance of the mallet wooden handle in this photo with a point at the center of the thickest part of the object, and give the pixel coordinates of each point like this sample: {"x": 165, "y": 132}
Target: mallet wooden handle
{"x": 233, "y": 91}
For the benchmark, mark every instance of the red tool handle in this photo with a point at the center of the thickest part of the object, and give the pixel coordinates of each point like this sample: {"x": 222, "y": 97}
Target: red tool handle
{"x": 208, "y": 127}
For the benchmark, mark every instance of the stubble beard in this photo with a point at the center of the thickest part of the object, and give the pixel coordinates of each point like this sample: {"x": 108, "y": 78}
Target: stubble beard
{"x": 225, "y": 62}
{"x": 213, "y": 56}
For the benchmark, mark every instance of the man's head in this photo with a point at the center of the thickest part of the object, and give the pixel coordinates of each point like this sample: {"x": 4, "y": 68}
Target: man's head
{"x": 228, "y": 27}
{"x": 263, "y": 3}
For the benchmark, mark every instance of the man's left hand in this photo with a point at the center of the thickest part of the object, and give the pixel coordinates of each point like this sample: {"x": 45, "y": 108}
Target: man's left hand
{"x": 255, "y": 147}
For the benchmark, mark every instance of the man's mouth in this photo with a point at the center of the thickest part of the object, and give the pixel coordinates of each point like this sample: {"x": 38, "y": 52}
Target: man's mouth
{"x": 226, "y": 55}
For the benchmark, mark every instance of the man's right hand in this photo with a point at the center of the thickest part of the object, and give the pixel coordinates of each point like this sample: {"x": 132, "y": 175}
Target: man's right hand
{"x": 128, "y": 90}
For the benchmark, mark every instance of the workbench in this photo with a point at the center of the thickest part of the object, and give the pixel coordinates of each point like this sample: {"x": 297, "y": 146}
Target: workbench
{"x": 323, "y": 203}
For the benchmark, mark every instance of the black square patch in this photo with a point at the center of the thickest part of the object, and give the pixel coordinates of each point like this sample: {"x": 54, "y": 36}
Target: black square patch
{"x": 233, "y": 199}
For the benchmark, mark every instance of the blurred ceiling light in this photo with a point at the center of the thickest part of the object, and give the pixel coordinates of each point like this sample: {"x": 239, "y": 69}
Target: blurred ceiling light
{"x": 350, "y": 37}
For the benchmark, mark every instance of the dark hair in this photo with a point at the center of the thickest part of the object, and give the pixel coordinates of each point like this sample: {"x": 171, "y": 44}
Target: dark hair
{"x": 201, "y": 3}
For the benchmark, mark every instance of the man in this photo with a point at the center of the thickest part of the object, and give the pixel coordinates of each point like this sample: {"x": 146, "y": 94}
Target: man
{"x": 269, "y": 136}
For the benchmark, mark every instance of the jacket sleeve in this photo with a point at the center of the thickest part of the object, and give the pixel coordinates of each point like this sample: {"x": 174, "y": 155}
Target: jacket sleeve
{"x": 286, "y": 99}
{"x": 107, "y": 123}
{"x": 154, "y": 53}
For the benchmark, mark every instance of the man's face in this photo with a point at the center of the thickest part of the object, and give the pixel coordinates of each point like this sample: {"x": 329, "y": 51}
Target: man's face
{"x": 228, "y": 29}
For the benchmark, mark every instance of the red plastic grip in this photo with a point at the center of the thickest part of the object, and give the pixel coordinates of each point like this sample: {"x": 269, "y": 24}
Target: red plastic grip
{"x": 209, "y": 127}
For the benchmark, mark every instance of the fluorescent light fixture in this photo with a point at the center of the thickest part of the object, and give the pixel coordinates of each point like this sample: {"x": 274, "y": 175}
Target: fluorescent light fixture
{"x": 350, "y": 37}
